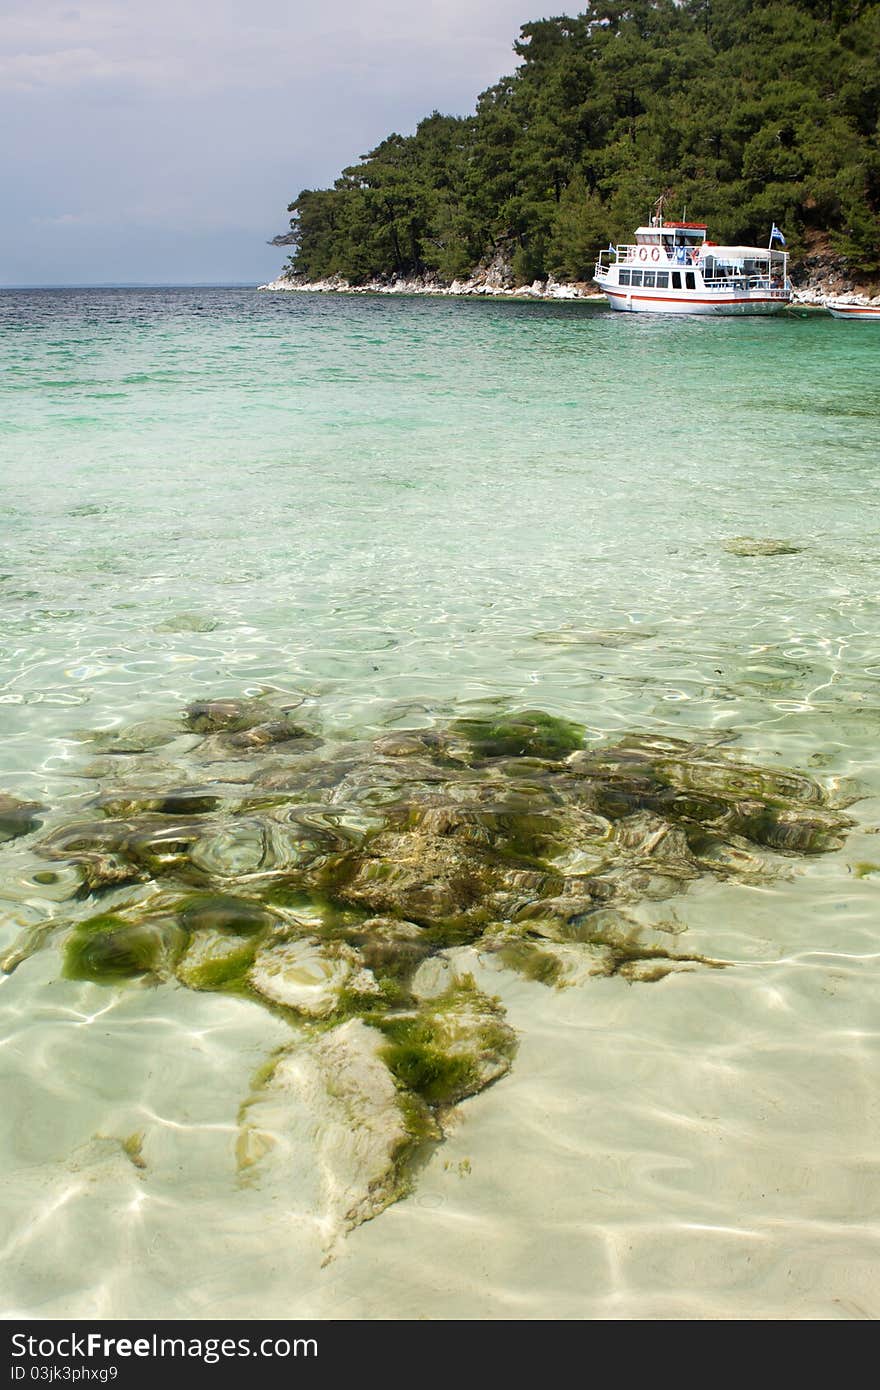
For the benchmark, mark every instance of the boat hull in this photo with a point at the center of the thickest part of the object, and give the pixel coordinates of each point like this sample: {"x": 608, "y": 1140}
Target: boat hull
{"x": 702, "y": 303}
{"x": 863, "y": 313}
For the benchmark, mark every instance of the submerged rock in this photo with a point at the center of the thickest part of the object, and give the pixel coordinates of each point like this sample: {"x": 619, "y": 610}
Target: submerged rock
{"x": 353, "y": 887}
{"x": 390, "y": 944}
{"x": 751, "y": 545}
{"x": 227, "y": 716}
{"x": 18, "y": 817}
{"x": 108, "y": 948}
{"x": 429, "y": 879}
{"x": 187, "y": 622}
{"x": 365, "y": 1129}
{"x": 409, "y": 743}
{"x": 455, "y": 1045}
{"x": 530, "y": 733}
{"x": 135, "y": 738}
{"x": 216, "y": 959}
{"x": 272, "y": 732}
{"x": 307, "y": 976}
{"x": 594, "y": 636}
{"x": 166, "y": 801}
{"x": 224, "y": 912}
{"x": 711, "y": 799}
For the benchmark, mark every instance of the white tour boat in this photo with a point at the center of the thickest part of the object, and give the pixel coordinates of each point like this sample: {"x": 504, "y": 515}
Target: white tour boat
{"x": 842, "y": 310}
{"x": 672, "y": 269}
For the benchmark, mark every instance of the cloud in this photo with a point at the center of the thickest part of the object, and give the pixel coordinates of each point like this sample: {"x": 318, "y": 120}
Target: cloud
{"x": 63, "y": 219}
{"x": 163, "y": 122}
{"x": 194, "y": 44}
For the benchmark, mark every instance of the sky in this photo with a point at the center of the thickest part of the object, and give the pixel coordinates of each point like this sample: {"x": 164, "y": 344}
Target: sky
{"x": 160, "y": 141}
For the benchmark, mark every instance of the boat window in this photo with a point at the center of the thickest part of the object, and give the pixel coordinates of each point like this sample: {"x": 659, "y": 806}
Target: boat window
{"x": 636, "y": 277}
{"x": 623, "y": 277}
{"x": 676, "y": 279}
{"x": 663, "y": 279}
{"x": 649, "y": 279}
{"x": 689, "y": 282}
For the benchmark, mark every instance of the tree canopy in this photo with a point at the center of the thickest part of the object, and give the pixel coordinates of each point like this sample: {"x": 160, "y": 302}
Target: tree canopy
{"x": 742, "y": 112}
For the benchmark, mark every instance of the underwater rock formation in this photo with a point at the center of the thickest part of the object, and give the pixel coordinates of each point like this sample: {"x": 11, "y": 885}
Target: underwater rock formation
{"x": 750, "y": 545}
{"x": 352, "y": 887}
{"x": 365, "y": 1129}
{"x": 17, "y": 817}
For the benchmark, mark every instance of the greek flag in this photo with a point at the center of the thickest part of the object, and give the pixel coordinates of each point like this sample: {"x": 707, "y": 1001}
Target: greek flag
{"x": 776, "y": 235}
{"x": 611, "y": 248}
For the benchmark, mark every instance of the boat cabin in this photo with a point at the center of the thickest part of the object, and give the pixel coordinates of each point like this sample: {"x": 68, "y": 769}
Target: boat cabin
{"x": 742, "y": 265}
{"x": 680, "y": 240}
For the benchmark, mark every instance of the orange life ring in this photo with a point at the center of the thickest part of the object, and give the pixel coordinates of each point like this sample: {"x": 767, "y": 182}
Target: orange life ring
{"x": 655, "y": 253}
{"x": 643, "y": 253}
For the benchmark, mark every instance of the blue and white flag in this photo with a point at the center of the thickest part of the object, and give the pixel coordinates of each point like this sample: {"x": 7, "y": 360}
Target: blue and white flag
{"x": 776, "y": 235}
{"x": 611, "y": 248}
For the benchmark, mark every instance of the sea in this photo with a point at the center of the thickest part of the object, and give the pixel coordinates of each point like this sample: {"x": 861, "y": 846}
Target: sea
{"x": 403, "y": 508}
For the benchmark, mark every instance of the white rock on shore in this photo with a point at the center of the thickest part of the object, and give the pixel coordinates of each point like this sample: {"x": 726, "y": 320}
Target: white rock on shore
{"x": 819, "y": 297}
{"x": 815, "y": 296}
{"x": 483, "y": 285}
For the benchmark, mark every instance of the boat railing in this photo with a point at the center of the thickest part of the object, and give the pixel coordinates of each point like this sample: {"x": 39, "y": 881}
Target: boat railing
{"x": 643, "y": 256}
{"x": 770, "y": 284}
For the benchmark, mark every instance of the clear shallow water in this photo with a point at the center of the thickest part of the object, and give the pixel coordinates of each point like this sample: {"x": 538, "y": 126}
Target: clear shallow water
{"x": 399, "y": 505}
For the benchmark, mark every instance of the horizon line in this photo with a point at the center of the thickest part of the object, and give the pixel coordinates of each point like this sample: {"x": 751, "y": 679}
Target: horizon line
{"x": 138, "y": 285}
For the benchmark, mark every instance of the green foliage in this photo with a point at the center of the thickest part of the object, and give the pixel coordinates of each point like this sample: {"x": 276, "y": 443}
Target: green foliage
{"x": 744, "y": 113}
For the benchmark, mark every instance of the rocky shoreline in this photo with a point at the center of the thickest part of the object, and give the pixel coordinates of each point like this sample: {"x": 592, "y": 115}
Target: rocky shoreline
{"x": 424, "y": 285}
{"x": 819, "y": 278}
{"x": 813, "y": 295}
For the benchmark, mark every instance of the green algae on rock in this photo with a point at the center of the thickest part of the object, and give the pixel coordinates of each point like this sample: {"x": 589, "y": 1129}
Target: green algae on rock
{"x": 453, "y": 1046}
{"x": 366, "y": 1131}
{"x": 531, "y": 733}
{"x": 376, "y": 1092}
{"x": 216, "y": 960}
{"x": 108, "y": 948}
{"x": 352, "y": 888}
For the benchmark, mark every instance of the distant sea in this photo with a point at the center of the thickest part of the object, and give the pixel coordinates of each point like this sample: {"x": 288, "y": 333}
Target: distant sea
{"x": 407, "y": 507}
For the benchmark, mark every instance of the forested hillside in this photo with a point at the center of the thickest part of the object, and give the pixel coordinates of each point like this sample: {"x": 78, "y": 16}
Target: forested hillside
{"x": 743, "y": 113}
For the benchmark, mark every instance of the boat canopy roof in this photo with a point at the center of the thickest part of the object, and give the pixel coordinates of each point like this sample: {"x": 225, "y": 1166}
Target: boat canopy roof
{"x": 679, "y": 231}
{"x": 738, "y": 253}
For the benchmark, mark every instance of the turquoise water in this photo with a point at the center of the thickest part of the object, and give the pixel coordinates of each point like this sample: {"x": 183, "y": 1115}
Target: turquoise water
{"x": 399, "y": 505}
{"x": 394, "y": 498}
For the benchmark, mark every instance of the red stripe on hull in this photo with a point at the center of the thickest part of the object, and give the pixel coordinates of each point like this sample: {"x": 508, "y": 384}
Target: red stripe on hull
{"x": 674, "y": 299}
